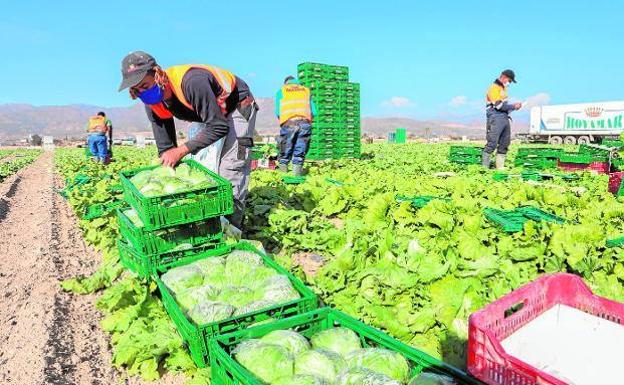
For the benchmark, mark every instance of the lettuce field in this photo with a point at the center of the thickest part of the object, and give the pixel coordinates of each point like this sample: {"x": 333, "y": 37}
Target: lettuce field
{"x": 414, "y": 270}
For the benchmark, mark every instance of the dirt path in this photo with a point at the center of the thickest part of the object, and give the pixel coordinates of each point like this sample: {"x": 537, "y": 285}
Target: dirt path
{"x": 47, "y": 337}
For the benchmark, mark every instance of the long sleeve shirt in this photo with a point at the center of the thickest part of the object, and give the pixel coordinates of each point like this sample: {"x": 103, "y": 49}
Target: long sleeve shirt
{"x": 200, "y": 89}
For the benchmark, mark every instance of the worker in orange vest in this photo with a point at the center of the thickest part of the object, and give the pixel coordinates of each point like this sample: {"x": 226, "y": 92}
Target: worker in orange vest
{"x": 219, "y": 103}
{"x": 295, "y": 109}
{"x": 97, "y": 127}
{"x": 498, "y": 127}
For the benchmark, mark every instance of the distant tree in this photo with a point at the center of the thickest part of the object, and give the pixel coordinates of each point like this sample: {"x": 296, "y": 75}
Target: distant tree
{"x": 36, "y": 140}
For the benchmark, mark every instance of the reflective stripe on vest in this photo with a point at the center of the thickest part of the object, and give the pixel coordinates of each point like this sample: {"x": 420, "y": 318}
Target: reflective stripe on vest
{"x": 295, "y": 103}
{"x": 226, "y": 80}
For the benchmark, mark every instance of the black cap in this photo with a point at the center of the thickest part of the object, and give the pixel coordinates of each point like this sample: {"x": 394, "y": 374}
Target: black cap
{"x": 510, "y": 74}
{"x": 134, "y": 67}
{"x": 288, "y": 78}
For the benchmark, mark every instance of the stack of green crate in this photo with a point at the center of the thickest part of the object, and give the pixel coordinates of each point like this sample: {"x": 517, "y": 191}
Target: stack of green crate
{"x": 164, "y": 229}
{"x": 336, "y": 128}
{"x": 537, "y": 158}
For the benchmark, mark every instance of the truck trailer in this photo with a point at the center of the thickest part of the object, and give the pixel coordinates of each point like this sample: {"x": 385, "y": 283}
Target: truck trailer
{"x": 575, "y": 123}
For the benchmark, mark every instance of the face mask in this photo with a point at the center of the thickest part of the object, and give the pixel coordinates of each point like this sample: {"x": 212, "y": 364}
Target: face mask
{"x": 152, "y": 95}
{"x": 507, "y": 84}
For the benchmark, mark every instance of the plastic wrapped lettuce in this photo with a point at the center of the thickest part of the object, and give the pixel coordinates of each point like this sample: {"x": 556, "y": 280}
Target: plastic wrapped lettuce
{"x": 134, "y": 217}
{"x": 300, "y": 379}
{"x": 320, "y": 363}
{"x": 244, "y": 256}
{"x": 237, "y": 296}
{"x": 257, "y": 277}
{"x": 210, "y": 311}
{"x": 384, "y": 361}
{"x": 253, "y": 306}
{"x": 196, "y": 295}
{"x": 211, "y": 265}
{"x": 432, "y": 379}
{"x": 342, "y": 341}
{"x": 198, "y": 178}
{"x": 152, "y": 189}
{"x": 141, "y": 178}
{"x": 294, "y": 342}
{"x": 162, "y": 172}
{"x": 216, "y": 278}
{"x": 181, "y": 278}
{"x": 361, "y": 376}
{"x": 183, "y": 171}
{"x": 265, "y": 361}
{"x": 173, "y": 185}
{"x": 278, "y": 294}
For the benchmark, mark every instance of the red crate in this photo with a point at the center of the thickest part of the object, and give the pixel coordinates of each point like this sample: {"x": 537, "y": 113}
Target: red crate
{"x": 615, "y": 181}
{"x": 263, "y": 163}
{"x": 598, "y": 167}
{"x": 488, "y": 361}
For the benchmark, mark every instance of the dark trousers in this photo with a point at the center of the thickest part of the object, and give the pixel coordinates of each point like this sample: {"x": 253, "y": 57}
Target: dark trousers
{"x": 294, "y": 141}
{"x": 498, "y": 133}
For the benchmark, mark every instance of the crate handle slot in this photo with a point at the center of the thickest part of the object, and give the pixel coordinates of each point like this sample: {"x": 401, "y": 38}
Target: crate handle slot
{"x": 514, "y": 309}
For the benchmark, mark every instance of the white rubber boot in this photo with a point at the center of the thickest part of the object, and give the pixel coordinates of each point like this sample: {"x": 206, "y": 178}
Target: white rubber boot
{"x": 500, "y": 161}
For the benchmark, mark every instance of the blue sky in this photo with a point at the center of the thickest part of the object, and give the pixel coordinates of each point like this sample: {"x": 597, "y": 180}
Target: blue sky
{"x": 426, "y": 60}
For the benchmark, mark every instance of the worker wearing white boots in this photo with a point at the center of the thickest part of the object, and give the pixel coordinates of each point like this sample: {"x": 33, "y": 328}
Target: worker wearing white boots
{"x": 498, "y": 126}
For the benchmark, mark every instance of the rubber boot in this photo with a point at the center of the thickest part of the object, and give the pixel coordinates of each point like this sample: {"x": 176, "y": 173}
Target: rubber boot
{"x": 283, "y": 167}
{"x": 500, "y": 161}
{"x": 485, "y": 160}
{"x": 297, "y": 169}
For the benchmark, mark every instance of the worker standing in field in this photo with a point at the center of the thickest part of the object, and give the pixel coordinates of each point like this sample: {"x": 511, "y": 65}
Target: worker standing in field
{"x": 97, "y": 129}
{"x": 294, "y": 109}
{"x": 109, "y": 134}
{"x": 498, "y": 127}
{"x": 219, "y": 103}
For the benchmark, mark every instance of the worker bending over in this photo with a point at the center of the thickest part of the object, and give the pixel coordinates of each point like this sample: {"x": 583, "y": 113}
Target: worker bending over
{"x": 498, "y": 127}
{"x": 209, "y": 96}
{"x": 294, "y": 109}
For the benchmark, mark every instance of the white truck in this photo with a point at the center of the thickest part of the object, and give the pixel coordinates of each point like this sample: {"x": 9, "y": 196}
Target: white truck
{"x": 575, "y": 123}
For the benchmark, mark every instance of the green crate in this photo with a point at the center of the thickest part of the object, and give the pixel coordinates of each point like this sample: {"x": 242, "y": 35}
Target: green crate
{"x": 198, "y": 336}
{"x": 539, "y": 215}
{"x": 618, "y": 164}
{"x": 510, "y": 221}
{"x": 541, "y": 152}
{"x": 319, "y": 67}
{"x": 535, "y": 162}
{"x": 179, "y": 208}
{"x": 99, "y": 210}
{"x": 600, "y": 153}
{"x": 227, "y": 371}
{"x": 323, "y": 100}
{"x": 465, "y": 150}
{"x": 289, "y": 179}
{"x": 419, "y": 201}
{"x": 308, "y": 78}
{"x": 615, "y": 242}
{"x": 165, "y": 240}
{"x": 146, "y": 265}
{"x": 613, "y": 143}
{"x": 465, "y": 159}
{"x": 576, "y": 158}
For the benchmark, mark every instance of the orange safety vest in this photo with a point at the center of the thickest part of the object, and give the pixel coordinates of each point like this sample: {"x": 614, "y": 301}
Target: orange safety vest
{"x": 96, "y": 121}
{"x": 496, "y": 94}
{"x": 295, "y": 103}
{"x": 226, "y": 80}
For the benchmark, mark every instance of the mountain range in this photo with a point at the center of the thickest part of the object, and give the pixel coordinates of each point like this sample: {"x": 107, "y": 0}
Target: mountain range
{"x": 17, "y": 121}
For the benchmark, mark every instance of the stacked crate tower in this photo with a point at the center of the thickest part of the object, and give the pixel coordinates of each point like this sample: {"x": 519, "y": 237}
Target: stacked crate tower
{"x": 161, "y": 230}
{"x": 336, "y": 128}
